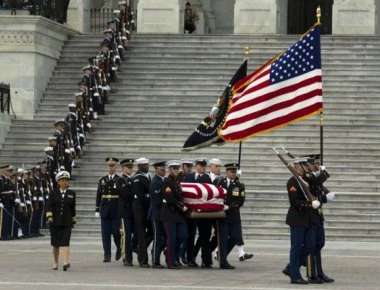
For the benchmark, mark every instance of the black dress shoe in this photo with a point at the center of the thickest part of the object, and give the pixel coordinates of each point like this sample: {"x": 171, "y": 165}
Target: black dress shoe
{"x": 326, "y": 279}
{"x": 184, "y": 260}
{"x": 227, "y": 266}
{"x": 315, "y": 280}
{"x": 65, "y": 267}
{"x": 118, "y": 255}
{"x": 299, "y": 281}
{"x": 245, "y": 257}
{"x": 174, "y": 267}
{"x": 128, "y": 264}
{"x": 192, "y": 265}
{"x": 145, "y": 265}
{"x": 106, "y": 259}
{"x": 157, "y": 266}
{"x": 285, "y": 271}
{"x": 206, "y": 266}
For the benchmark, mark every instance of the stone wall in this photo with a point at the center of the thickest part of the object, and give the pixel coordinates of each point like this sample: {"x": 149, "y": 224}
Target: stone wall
{"x": 29, "y": 49}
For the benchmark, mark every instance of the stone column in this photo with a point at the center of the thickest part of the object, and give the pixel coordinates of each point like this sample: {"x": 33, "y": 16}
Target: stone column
{"x": 354, "y": 17}
{"x": 255, "y": 16}
{"x": 78, "y": 15}
{"x": 29, "y": 49}
{"x": 160, "y": 16}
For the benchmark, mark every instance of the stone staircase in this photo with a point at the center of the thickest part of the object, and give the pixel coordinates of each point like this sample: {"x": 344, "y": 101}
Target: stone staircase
{"x": 169, "y": 83}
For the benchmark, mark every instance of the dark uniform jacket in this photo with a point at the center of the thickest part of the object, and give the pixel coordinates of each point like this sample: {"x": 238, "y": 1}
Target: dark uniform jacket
{"x": 61, "y": 207}
{"x": 172, "y": 205}
{"x": 235, "y": 198}
{"x": 124, "y": 187}
{"x": 6, "y": 191}
{"x": 155, "y": 190}
{"x": 300, "y": 210}
{"x": 141, "y": 190}
{"x": 107, "y": 197}
{"x": 190, "y": 177}
{"x": 317, "y": 189}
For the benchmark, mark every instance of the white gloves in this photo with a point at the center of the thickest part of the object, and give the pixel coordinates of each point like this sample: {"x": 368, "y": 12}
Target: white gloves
{"x": 1, "y": 205}
{"x": 28, "y": 202}
{"x": 238, "y": 173}
{"x": 184, "y": 208}
{"x": 226, "y": 207}
{"x": 315, "y": 204}
{"x": 17, "y": 200}
{"x": 40, "y": 198}
{"x": 322, "y": 167}
{"x": 97, "y": 214}
{"x": 330, "y": 196}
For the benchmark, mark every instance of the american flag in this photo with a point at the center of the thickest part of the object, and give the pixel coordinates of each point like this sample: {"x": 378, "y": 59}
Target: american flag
{"x": 203, "y": 196}
{"x": 286, "y": 89}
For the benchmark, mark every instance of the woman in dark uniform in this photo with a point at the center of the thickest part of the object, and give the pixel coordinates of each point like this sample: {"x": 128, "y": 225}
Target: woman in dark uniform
{"x": 172, "y": 214}
{"x": 60, "y": 215}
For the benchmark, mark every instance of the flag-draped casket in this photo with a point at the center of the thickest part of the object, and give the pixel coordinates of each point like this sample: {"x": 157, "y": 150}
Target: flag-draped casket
{"x": 203, "y": 197}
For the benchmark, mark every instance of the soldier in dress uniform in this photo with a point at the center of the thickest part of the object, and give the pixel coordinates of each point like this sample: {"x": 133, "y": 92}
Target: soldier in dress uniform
{"x": 107, "y": 204}
{"x": 64, "y": 153}
{"x": 72, "y": 124}
{"x": 36, "y": 195}
{"x": 215, "y": 165}
{"x": 7, "y": 204}
{"x": 204, "y": 226}
{"x": 186, "y": 166}
{"x": 141, "y": 201}
{"x": 172, "y": 214}
{"x": 299, "y": 218}
{"x": 316, "y": 176}
{"x": 18, "y": 216}
{"x": 61, "y": 217}
{"x": 124, "y": 187}
{"x": 28, "y": 200}
{"x": 155, "y": 191}
{"x": 92, "y": 103}
{"x": 51, "y": 165}
{"x": 24, "y": 215}
{"x": 230, "y": 226}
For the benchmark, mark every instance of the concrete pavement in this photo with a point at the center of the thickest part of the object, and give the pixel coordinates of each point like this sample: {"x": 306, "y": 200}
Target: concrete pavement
{"x": 26, "y": 264}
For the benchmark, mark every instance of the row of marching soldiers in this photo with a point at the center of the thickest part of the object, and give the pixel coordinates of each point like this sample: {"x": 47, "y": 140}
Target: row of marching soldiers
{"x": 94, "y": 92}
{"x": 150, "y": 209}
{"x": 23, "y": 195}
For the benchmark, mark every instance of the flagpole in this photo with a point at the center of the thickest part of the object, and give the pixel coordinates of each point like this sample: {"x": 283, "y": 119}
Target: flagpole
{"x": 318, "y": 14}
{"x": 247, "y": 50}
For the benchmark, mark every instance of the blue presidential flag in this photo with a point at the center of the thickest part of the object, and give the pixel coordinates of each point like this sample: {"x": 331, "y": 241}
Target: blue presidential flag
{"x": 206, "y": 133}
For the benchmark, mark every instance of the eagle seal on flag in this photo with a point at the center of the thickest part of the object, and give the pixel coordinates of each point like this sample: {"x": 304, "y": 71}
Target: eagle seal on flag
{"x": 206, "y": 133}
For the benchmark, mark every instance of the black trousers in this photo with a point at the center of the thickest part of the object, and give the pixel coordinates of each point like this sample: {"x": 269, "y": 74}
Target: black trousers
{"x": 143, "y": 230}
{"x": 204, "y": 229}
{"x": 159, "y": 241}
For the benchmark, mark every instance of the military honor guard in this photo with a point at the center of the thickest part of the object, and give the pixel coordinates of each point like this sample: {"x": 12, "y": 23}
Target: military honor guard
{"x": 107, "y": 204}
{"x": 316, "y": 176}
{"x": 7, "y": 204}
{"x": 299, "y": 219}
{"x": 172, "y": 214}
{"x": 61, "y": 217}
{"x": 140, "y": 205}
{"x": 156, "y": 197}
{"x": 186, "y": 166}
{"x": 204, "y": 226}
{"x": 124, "y": 187}
{"x": 230, "y": 227}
